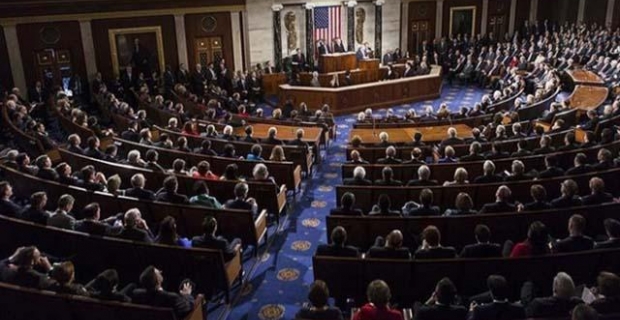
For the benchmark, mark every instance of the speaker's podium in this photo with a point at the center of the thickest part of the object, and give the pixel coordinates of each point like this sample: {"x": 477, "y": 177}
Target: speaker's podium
{"x": 336, "y": 62}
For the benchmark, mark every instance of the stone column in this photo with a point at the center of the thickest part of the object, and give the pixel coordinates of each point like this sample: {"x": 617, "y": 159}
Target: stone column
{"x": 235, "y": 27}
{"x": 15, "y": 57}
{"x": 484, "y": 17}
{"x": 581, "y": 10}
{"x": 277, "y": 36}
{"x": 351, "y": 25}
{"x": 533, "y": 11}
{"x": 610, "y": 12}
{"x": 513, "y": 16}
{"x": 439, "y": 19}
{"x": 378, "y": 28}
{"x": 181, "y": 38}
{"x": 404, "y": 26}
{"x": 90, "y": 57}
{"x": 309, "y": 34}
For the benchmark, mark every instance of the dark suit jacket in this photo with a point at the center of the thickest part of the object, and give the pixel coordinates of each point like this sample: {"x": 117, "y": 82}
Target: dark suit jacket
{"x": 336, "y": 251}
{"x": 578, "y": 170}
{"x": 471, "y": 157}
{"x": 422, "y": 183}
{"x": 47, "y": 174}
{"x": 606, "y": 305}
{"x": 435, "y": 253}
{"x": 551, "y": 172}
{"x": 574, "y": 244}
{"x": 481, "y": 250}
{"x": 551, "y": 307}
{"x": 26, "y": 278}
{"x": 440, "y": 312}
{"x": 488, "y": 179}
{"x": 425, "y": 211}
{"x": 10, "y": 209}
{"x": 596, "y": 198}
{"x": 92, "y": 227}
{"x": 340, "y": 211}
{"x": 181, "y": 304}
{"x": 608, "y": 244}
{"x": 537, "y": 205}
{"x": 388, "y": 253}
{"x": 497, "y": 311}
{"x": 356, "y": 182}
{"x": 135, "y": 234}
{"x": 130, "y": 135}
{"x": 37, "y": 216}
{"x": 217, "y": 243}
{"x": 171, "y": 197}
{"x": 497, "y": 207}
{"x": 563, "y": 202}
{"x": 140, "y": 193}
{"x": 389, "y": 161}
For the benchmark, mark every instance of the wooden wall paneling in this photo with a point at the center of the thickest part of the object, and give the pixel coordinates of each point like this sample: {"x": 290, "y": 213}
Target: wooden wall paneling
{"x": 100, "y": 30}
{"x": 461, "y": 3}
{"x": 549, "y": 9}
{"x": 6, "y": 76}
{"x": 498, "y": 19}
{"x": 595, "y": 11}
{"x": 615, "y": 21}
{"x": 194, "y": 29}
{"x": 35, "y": 37}
{"x": 421, "y": 24}
{"x": 523, "y": 13}
{"x": 570, "y": 10}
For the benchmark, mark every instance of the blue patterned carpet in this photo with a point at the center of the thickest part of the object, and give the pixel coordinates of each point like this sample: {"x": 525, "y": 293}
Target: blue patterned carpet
{"x": 279, "y": 281}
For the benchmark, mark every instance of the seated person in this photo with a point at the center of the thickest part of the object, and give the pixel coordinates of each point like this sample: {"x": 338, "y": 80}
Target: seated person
{"x": 423, "y": 180}
{"x": 271, "y": 137}
{"x": 383, "y": 207}
{"x": 545, "y": 145}
{"x": 442, "y": 304}
{"x": 91, "y": 224}
{"x": 475, "y": 153}
{"x": 103, "y": 287}
{"x": 460, "y": 177}
{"x": 64, "y": 275}
{"x": 431, "y": 247}
{"x": 483, "y": 248}
{"x": 500, "y": 307}
{"x": 359, "y": 178}
{"x": 449, "y": 156}
{"x": 169, "y": 192}
{"x": 580, "y": 165}
{"x": 27, "y": 268}
{"x": 35, "y": 211}
{"x": 338, "y": 247}
{"x": 203, "y": 171}
{"x": 153, "y": 294}
{"x": 390, "y": 157}
{"x": 605, "y": 160}
{"x": 424, "y": 208}
{"x": 255, "y": 153}
{"x": 522, "y": 150}
{"x": 137, "y": 188}
{"x": 463, "y": 205}
{"x": 501, "y": 204}
{"x": 451, "y": 140}
{"x": 537, "y": 242}
{"x": 7, "y": 206}
{"x": 378, "y": 306}
{"x": 387, "y": 178}
{"x": 552, "y": 169}
{"x": 539, "y": 195}
{"x": 576, "y": 241}
{"x": 597, "y": 193}
{"x": 569, "y": 197}
{"x": 607, "y": 293}
{"x": 318, "y": 308}
{"x": 46, "y": 172}
{"x": 202, "y": 197}
{"x": 416, "y": 157}
{"x": 383, "y": 140}
{"x": 558, "y": 305}
{"x": 612, "y": 229}
{"x": 241, "y": 200}
{"x": 389, "y": 248}
{"x": 210, "y": 241}
{"x": 356, "y": 158}
{"x": 347, "y": 203}
{"x": 488, "y": 176}
{"x": 518, "y": 172}
{"x": 135, "y": 228}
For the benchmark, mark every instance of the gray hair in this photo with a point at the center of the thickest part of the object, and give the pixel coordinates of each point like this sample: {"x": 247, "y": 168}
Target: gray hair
{"x": 563, "y": 285}
{"x": 359, "y": 172}
{"x": 424, "y": 172}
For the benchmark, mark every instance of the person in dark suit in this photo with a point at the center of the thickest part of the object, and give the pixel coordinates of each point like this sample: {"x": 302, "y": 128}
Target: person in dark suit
{"x": 608, "y": 294}
{"x": 197, "y": 80}
{"x": 483, "y": 248}
{"x": 131, "y": 134}
{"x": 169, "y": 192}
{"x": 128, "y": 79}
{"x": 356, "y": 158}
{"x": 580, "y": 165}
{"x": 389, "y": 248}
{"x": 441, "y": 305}
{"x": 475, "y": 153}
{"x": 153, "y": 294}
{"x": 35, "y": 211}
{"x": 91, "y": 224}
{"x": 92, "y": 150}
{"x": 74, "y": 144}
{"x": 612, "y": 228}
{"x": 271, "y": 137}
{"x": 46, "y": 172}
{"x": 390, "y": 157}
{"x": 569, "y": 197}
{"x": 319, "y": 307}
{"x": 338, "y": 247}
{"x": 431, "y": 247}
{"x": 552, "y": 169}
{"x": 322, "y": 47}
{"x": 137, "y": 188}
{"x": 423, "y": 180}
{"x": 518, "y": 172}
{"x": 210, "y": 241}
{"x": 425, "y": 207}
{"x": 359, "y": 178}
{"x": 451, "y": 140}
{"x": 241, "y": 200}
{"x": 347, "y": 203}
{"x": 135, "y": 228}
{"x": 576, "y": 241}
{"x": 545, "y": 145}
{"x": 488, "y": 176}
{"x": 539, "y": 195}
{"x": 592, "y": 122}
{"x": 522, "y": 150}
{"x": 597, "y": 193}
{"x": 501, "y": 203}
{"x": 500, "y": 308}
{"x": 559, "y": 304}
{"x": 339, "y": 46}
{"x": 383, "y": 207}
{"x": 299, "y": 61}
{"x": 387, "y": 175}
{"x": 7, "y": 206}
{"x": 27, "y": 268}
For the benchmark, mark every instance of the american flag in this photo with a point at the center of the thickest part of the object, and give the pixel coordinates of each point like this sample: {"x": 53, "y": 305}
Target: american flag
{"x": 327, "y": 23}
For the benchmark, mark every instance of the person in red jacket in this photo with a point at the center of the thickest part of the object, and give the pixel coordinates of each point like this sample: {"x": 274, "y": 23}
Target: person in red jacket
{"x": 377, "y": 308}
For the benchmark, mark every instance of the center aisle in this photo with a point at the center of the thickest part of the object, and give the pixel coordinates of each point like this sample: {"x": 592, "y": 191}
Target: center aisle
{"x": 279, "y": 284}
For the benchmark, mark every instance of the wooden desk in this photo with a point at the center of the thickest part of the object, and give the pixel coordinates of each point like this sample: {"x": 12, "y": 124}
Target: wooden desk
{"x": 369, "y": 64}
{"x": 369, "y": 95}
{"x": 272, "y": 82}
{"x": 586, "y": 98}
{"x": 335, "y": 62}
{"x": 312, "y": 135}
{"x": 405, "y": 135}
{"x": 586, "y": 77}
